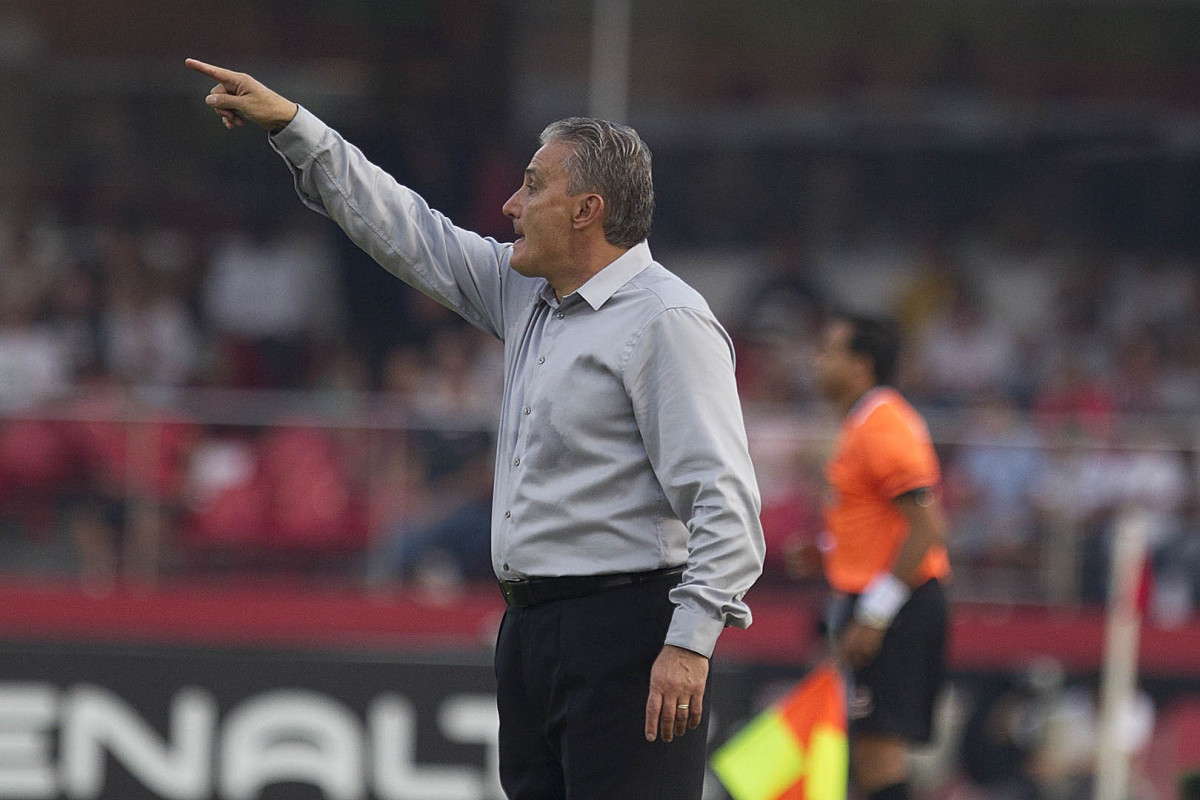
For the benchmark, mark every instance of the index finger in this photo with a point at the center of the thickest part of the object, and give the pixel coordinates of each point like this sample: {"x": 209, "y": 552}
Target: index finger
{"x": 216, "y": 73}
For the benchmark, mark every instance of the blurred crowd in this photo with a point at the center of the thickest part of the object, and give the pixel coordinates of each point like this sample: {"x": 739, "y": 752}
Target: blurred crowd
{"x": 177, "y": 400}
{"x": 173, "y": 401}
{"x": 196, "y": 373}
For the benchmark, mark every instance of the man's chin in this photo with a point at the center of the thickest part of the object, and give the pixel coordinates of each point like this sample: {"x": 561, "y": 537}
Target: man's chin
{"x": 520, "y": 263}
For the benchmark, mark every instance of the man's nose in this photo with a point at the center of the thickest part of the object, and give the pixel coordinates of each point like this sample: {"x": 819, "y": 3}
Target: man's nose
{"x": 510, "y": 207}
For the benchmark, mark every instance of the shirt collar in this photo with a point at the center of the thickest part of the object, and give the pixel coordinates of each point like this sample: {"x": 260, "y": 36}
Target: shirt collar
{"x": 872, "y": 399}
{"x": 605, "y": 283}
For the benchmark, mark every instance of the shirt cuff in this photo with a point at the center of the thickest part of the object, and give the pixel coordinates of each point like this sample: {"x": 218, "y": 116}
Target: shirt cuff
{"x": 299, "y": 138}
{"x": 695, "y": 632}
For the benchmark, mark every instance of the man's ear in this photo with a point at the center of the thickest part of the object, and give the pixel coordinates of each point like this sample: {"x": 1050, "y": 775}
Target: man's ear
{"x": 589, "y": 210}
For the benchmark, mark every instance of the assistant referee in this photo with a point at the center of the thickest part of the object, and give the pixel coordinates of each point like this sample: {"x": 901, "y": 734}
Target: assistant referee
{"x": 885, "y": 554}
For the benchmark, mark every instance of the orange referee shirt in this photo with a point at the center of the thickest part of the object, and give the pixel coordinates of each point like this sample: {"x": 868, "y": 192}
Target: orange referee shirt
{"x": 883, "y": 450}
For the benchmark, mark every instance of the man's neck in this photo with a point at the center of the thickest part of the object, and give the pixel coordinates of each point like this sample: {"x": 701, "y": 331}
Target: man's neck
{"x": 587, "y": 261}
{"x": 850, "y": 399}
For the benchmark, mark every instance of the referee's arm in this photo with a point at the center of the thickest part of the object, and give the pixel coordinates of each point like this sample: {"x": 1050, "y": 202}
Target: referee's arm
{"x": 926, "y": 528}
{"x": 860, "y": 642}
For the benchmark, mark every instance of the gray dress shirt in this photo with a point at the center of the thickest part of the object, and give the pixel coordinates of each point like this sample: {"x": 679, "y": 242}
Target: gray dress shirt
{"x": 621, "y": 444}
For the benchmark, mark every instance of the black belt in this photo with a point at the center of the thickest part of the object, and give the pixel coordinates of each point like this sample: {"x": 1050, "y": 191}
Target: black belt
{"x": 534, "y": 591}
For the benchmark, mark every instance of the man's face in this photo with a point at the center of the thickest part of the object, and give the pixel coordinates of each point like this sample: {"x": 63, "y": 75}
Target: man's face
{"x": 836, "y": 364}
{"x": 542, "y": 214}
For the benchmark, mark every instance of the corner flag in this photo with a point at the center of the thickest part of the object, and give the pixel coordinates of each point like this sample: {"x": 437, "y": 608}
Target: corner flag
{"x": 795, "y": 750}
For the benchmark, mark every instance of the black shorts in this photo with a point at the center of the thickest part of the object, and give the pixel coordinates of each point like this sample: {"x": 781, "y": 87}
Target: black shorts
{"x": 895, "y": 694}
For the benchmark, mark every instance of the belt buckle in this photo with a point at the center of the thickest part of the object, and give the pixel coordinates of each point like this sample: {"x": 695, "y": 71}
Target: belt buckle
{"x": 512, "y": 596}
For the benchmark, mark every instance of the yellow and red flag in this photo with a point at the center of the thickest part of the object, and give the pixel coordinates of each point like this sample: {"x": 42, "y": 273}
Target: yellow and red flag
{"x": 795, "y": 750}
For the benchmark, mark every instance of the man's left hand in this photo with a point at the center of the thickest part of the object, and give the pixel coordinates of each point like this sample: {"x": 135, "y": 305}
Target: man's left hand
{"x": 676, "y": 699}
{"x": 859, "y": 645}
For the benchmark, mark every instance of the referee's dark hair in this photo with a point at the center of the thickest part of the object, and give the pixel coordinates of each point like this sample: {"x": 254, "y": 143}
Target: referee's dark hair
{"x": 878, "y": 338}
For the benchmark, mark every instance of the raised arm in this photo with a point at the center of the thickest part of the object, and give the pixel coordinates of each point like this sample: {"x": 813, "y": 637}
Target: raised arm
{"x": 390, "y": 222}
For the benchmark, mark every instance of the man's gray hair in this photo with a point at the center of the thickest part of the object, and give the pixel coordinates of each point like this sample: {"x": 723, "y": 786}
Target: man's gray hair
{"x": 611, "y": 160}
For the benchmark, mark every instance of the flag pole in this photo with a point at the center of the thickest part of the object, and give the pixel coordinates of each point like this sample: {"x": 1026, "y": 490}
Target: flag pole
{"x": 1119, "y": 680}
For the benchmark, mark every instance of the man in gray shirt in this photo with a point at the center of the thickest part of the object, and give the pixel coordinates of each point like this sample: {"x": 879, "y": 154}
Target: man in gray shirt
{"x": 625, "y": 526}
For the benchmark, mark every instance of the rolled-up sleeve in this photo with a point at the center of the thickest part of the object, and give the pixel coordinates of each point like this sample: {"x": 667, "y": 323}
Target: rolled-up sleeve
{"x": 680, "y": 378}
{"x": 393, "y": 224}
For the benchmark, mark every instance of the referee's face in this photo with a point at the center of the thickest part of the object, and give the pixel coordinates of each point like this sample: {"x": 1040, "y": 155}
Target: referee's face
{"x": 835, "y": 363}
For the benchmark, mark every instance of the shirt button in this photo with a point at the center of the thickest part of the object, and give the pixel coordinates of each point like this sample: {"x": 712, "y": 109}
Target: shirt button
{"x": 528, "y": 410}
{"x": 507, "y": 514}
{"x": 559, "y": 315}
{"x": 541, "y": 359}
{"x": 516, "y": 462}
{"x": 506, "y": 567}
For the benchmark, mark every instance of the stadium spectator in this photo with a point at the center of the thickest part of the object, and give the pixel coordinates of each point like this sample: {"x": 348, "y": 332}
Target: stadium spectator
{"x": 787, "y": 464}
{"x": 451, "y": 542}
{"x": 1180, "y": 388}
{"x": 1176, "y": 558}
{"x": 146, "y": 328}
{"x": 269, "y": 295}
{"x": 1151, "y": 291}
{"x": 1080, "y": 323}
{"x": 34, "y": 362}
{"x": 76, "y": 308}
{"x": 1075, "y": 501}
{"x": 461, "y": 381}
{"x": 777, "y": 325}
{"x": 1147, "y": 475}
{"x": 929, "y": 291}
{"x": 1070, "y": 400}
{"x": 134, "y": 461}
{"x": 964, "y": 353}
{"x": 787, "y": 296}
{"x": 996, "y": 471}
{"x": 226, "y": 502}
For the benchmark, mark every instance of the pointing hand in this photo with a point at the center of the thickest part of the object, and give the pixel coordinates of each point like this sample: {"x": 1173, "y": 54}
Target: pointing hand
{"x": 238, "y": 97}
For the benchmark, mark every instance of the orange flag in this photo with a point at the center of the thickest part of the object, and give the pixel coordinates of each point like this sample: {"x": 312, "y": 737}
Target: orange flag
{"x": 795, "y": 750}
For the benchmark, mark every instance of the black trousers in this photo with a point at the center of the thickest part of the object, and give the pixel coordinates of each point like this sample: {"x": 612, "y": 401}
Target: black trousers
{"x": 572, "y": 681}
